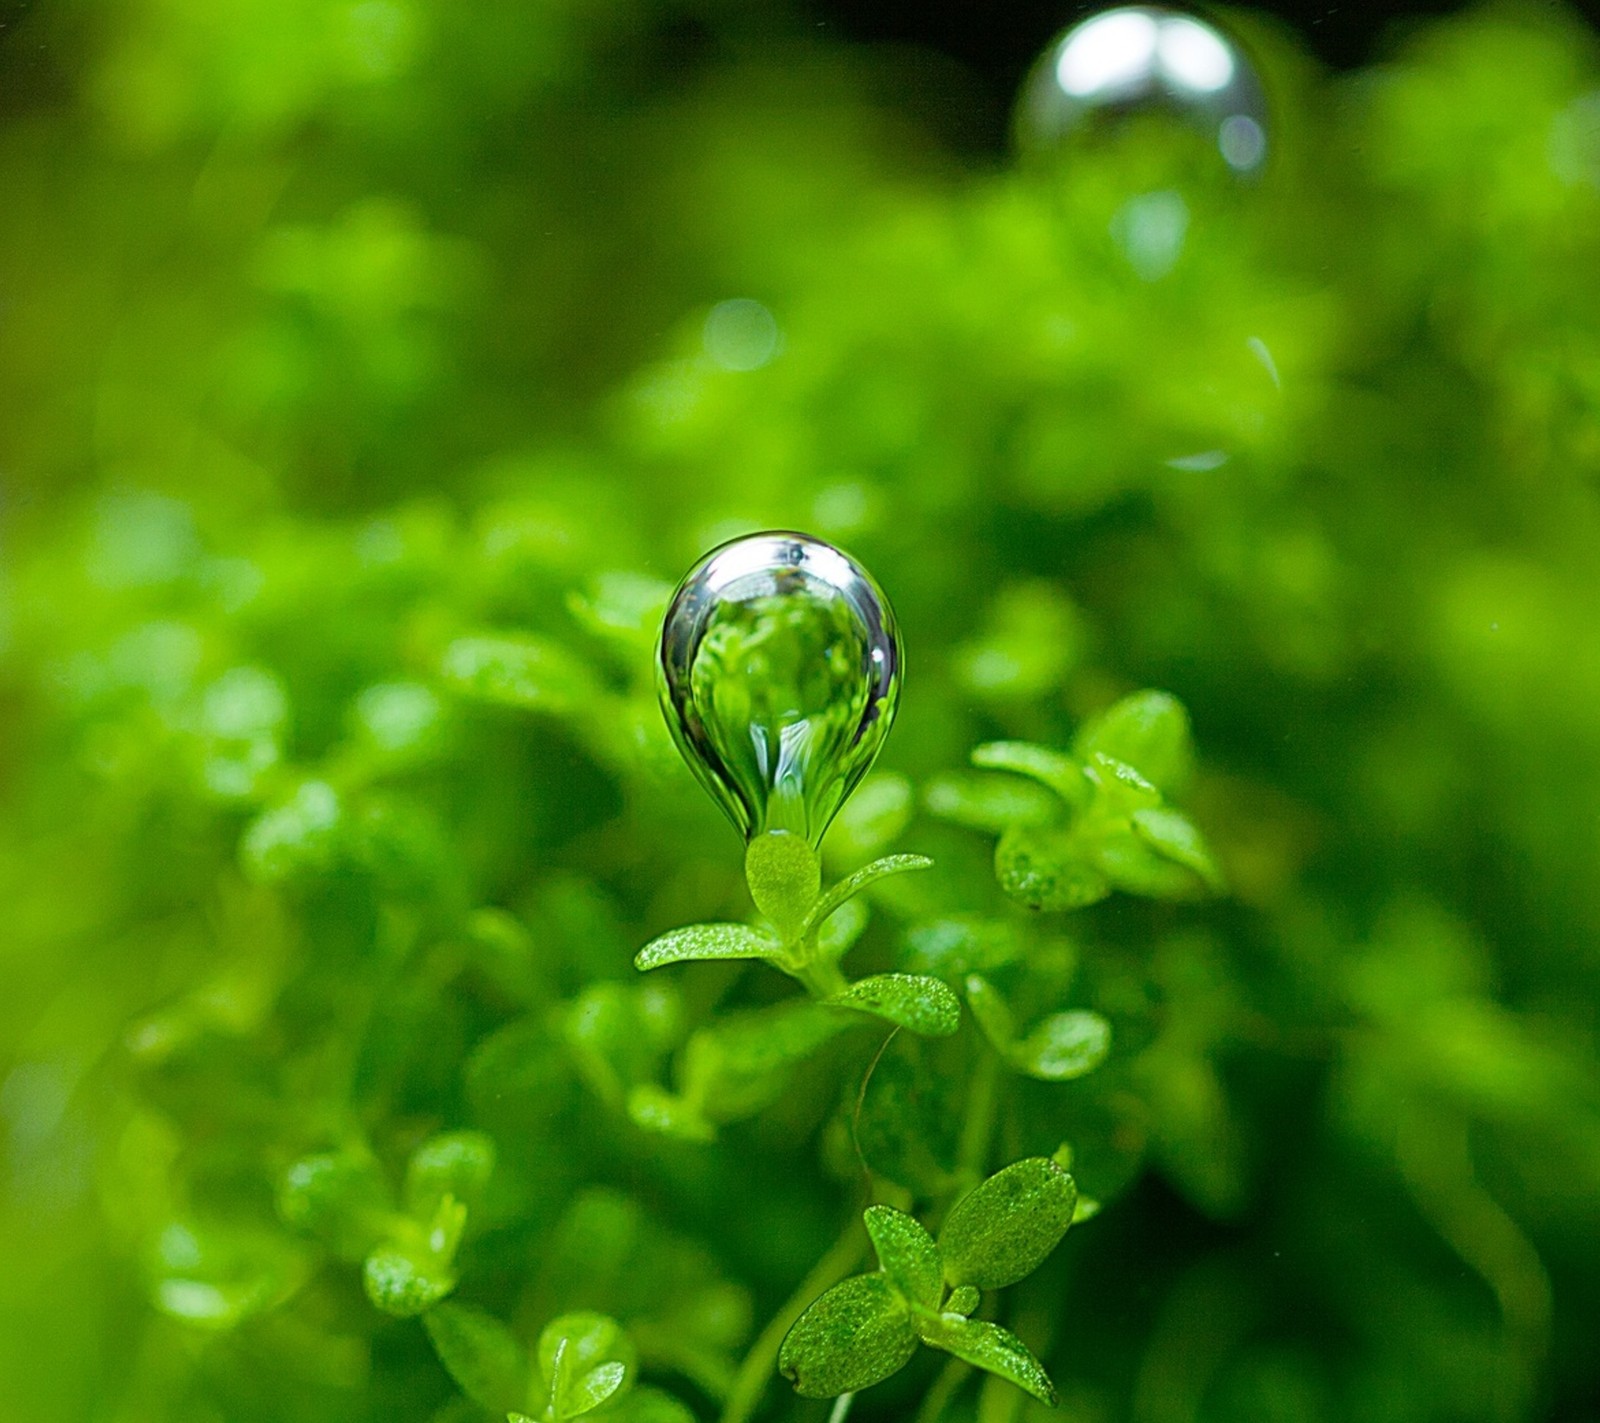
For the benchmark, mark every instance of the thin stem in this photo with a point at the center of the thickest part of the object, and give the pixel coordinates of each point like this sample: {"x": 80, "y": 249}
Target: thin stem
{"x": 841, "y": 1408}
{"x": 757, "y": 1367}
{"x": 976, "y": 1131}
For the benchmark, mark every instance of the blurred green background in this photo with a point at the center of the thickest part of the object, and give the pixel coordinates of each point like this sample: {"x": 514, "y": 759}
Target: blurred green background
{"x": 370, "y": 371}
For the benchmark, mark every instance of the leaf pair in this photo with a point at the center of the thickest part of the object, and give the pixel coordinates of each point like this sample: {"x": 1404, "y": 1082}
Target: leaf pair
{"x": 585, "y": 1364}
{"x": 867, "y": 1327}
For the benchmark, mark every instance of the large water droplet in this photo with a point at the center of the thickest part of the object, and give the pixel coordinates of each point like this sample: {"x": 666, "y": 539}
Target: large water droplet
{"x": 780, "y": 671}
{"x": 1138, "y": 58}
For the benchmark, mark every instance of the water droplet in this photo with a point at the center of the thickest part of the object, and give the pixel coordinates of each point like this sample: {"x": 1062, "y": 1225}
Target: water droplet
{"x": 1138, "y": 58}
{"x": 780, "y": 671}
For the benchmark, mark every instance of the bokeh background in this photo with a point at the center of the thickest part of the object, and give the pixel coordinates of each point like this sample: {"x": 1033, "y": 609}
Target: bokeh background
{"x": 369, "y": 372}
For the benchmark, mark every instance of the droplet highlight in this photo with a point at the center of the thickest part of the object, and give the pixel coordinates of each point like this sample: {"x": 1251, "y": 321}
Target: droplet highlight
{"x": 1141, "y": 58}
{"x": 780, "y": 669}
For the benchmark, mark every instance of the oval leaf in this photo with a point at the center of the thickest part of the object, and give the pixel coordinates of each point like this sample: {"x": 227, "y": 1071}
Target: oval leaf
{"x": 1052, "y": 769}
{"x": 480, "y": 1354}
{"x": 911, "y": 1000}
{"x": 852, "y": 884}
{"x": 1147, "y": 730}
{"x": 856, "y": 1334}
{"x": 1063, "y": 1046}
{"x": 1001, "y": 1230}
{"x": 1174, "y": 835}
{"x": 706, "y": 941}
{"x": 996, "y": 1350}
{"x": 907, "y": 1255}
{"x": 1046, "y": 869}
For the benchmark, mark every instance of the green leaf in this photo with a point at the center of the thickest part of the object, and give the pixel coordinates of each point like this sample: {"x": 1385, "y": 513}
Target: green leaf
{"x": 618, "y": 1033}
{"x": 1119, "y": 787}
{"x": 652, "y": 1108}
{"x": 993, "y": 1013}
{"x": 1054, "y": 770}
{"x": 989, "y": 1347}
{"x": 785, "y": 878}
{"x": 962, "y": 1301}
{"x": 590, "y": 1391}
{"x": 1047, "y": 869}
{"x": 1174, "y": 835}
{"x": 744, "y": 1061}
{"x": 906, "y": 1254}
{"x": 852, "y": 884}
{"x": 479, "y": 1353}
{"x": 1149, "y": 731}
{"x": 991, "y": 803}
{"x": 855, "y": 1335}
{"x": 915, "y": 1001}
{"x": 1063, "y": 1046}
{"x": 584, "y": 1358}
{"x": 1002, "y": 1230}
{"x": 340, "y": 1197}
{"x": 707, "y": 941}
{"x": 456, "y": 1163}
{"x": 516, "y": 671}
{"x": 909, "y": 1120}
{"x": 952, "y": 948}
{"x": 403, "y": 1282}
{"x": 841, "y": 929}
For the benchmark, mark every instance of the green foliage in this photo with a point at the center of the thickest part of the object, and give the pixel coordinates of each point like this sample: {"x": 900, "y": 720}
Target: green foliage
{"x": 370, "y": 372}
{"x": 866, "y": 1328}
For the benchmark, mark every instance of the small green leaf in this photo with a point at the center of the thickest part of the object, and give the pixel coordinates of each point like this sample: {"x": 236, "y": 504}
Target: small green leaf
{"x": 915, "y": 1001}
{"x": 991, "y": 1348}
{"x": 993, "y": 1013}
{"x": 991, "y": 803}
{"x": 841, "y": 929}
{"x": 855, "y": 1335}
{"x": 1002, "y": 1229}
{"x": 479, "y": 1353}
{"x": 455, "y": 1163}
{"x": 746, "y": 1060}
{"x": 1174, "y": 835}
{"x": 1047, "y": 869}
{"x": 589, "y": 1392}
{"x": 906, "y": 1254}
{"x": 404, "y": 1283}
{"x": 1119, "y": 787}
{"x": 1054, "y": 770}
{"x": 951, "y": 948}
{"x": 516, "y": 670}
{"x": 962, "y": 1301}
{"x": 785, "y": 878}
{"x": 341, "y": 1197}
{"x": 1147, "y": 730}
{"x": 584, "y": 1358}
{"x": 1063, "y": 1046}
{"x": 852, "y": 884}
{"x": 706, "y": 941}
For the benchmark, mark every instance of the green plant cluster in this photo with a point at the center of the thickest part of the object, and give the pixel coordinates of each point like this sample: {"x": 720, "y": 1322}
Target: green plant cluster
{"x": 370, "y": 371}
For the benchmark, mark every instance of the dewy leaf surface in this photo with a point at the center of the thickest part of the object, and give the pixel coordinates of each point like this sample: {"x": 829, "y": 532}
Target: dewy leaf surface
{"x": 1003, "y": 1228}
{"x": 855, "y": 1335}
{"x": 706, "y": 941}
{"x": 1063, "y": 1046}
{"x": 906, "y": 1254}
{"x": 916, "y": 1001}
{"x": 852, "y": 884}
{"x": 994, "y": 1349}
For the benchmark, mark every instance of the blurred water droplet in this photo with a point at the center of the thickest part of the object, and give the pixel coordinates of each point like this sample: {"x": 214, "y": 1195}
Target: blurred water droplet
{"x": 780, "y": 671}
{"x": 1141, "y": 58}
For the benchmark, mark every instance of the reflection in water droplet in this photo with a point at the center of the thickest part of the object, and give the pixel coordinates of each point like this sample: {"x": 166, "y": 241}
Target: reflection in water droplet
{"x": 780, "y": 669}
{"x": 1140, "y": 57}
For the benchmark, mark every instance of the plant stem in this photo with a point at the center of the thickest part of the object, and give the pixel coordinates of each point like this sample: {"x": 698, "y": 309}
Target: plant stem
{"x": 756, "y": 1369}
{"x": 973, "y": 1160}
